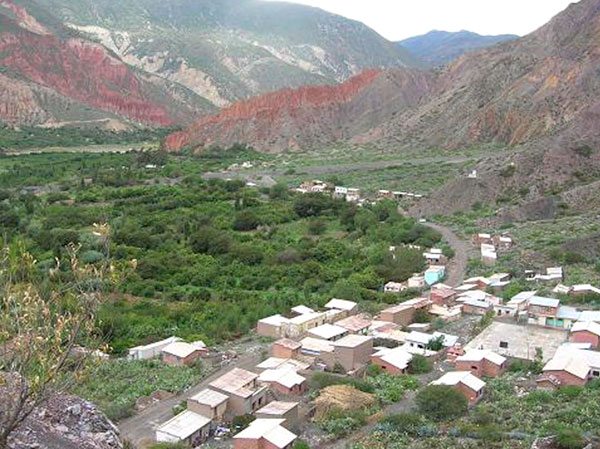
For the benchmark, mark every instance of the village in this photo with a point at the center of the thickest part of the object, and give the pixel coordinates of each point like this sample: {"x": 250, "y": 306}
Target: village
{"x": 341, "y": 339}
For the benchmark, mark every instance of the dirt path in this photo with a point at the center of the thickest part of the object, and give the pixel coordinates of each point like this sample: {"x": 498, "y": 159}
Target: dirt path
{"x": 457, "y": 267}
{"x": 139, "y": 429}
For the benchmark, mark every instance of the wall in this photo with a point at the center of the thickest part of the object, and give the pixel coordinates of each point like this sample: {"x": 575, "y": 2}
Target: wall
{"x": 585, "y": 337}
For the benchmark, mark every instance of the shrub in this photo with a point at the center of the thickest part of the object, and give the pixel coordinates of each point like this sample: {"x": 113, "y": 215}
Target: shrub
{"x": 440, "y": 402}
{"x": 317, "y": 227}
{"x": 241, "y": 422}
{"x": 570, "y": 439}
{"x": 246, "y": 221}
{"x": 407, "y": 423}
{"x": 301, "y": 444}
{"x": 420, "y": 365}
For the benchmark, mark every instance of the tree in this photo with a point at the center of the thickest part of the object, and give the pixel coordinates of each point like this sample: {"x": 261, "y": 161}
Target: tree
{"x": 317, "y": 227}
{"x": 40, "y": 334}
{"x": 419, "y": 364}
{"x": 441, "y": 402}
{"x": 436, "y": 344}
{"x": 246, "y": 221}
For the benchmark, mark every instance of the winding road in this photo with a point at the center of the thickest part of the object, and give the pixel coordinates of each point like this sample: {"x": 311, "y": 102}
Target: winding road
{"x": 457, "y": 267}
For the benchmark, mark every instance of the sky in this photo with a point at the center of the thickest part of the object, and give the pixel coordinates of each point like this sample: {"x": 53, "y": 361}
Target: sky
{"x": 399, "y": 19}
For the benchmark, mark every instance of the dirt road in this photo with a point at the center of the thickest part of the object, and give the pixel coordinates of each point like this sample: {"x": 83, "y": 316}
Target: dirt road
{"x": 139, "y": 429}
{"x": 457, "y": 268}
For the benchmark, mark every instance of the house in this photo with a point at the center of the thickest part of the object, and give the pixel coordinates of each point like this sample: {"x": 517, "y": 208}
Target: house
{"x": 272, "y": 326}
{"x": 356, "y": 324}
{"x": 443, "y": 296}
{"x": 481, "y": 363}
{"x": 466, "y": 383}
{"x": 489, "y": 256}
{"x": 392, "y": 361}
{"x": 152, "y": 350}
{"x": 447, "y": 314}
{"x": 590, "y": 315}
{"x": 288, "y": 411}
{"x": 265, "y": 434}
{"x": 476, "y": 307}
{"x": 285, "y": 349}
{"x": 566, "y": 316}
{"x": 540, "y": 309}
{"x": 404, "y": 313}
{"x": 483, "y": 238}
{"x": 416, "y": 282}
{"x": 241, "y": 386}
{"x": 187, "y": 427}
{"x": 334, "y": 315}
{"x": 284, "y": 380}
{"x": 584, "y": 289}
{"x": 434, "y": 274}
{"x": 341, "y": 304}
{"x": 385, "y": 194}
{"x": 351, "y": 353}
{"x": 353, "y": 195}
{"x": 434, "y": 257}
{"x": 586, "y": 332}
{"x": 181, "y": 353}
{"x": 329, "y": 332}
{"x": 503, "y": 242}
{"x": 314, "y": 347}
{"x": 301, "y": 310}
{"x": 301, "y": 324}
{"x": 209, "y": 403}
{"x": 421, "y": 340}
{"x": 521, "y": 300}
{"x": 394, "y": 287}
{"x": 565, "y": 368}
{"x": 277, "y": 363}
{"x": 340, "y": 191}
{"x": 553, "y": 274}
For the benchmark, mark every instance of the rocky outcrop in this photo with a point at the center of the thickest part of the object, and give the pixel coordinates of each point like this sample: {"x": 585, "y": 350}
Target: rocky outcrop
{"x": 47, "y": 74}
{"x": 66, "y": 422}
{"x": 309, "y": 116}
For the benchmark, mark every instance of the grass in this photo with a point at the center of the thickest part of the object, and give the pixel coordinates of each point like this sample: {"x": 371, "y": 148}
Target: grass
{"x": 116, "y": 385}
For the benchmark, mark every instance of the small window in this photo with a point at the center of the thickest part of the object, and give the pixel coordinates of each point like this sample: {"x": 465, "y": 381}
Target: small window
{"x": 504, "y": 344}
{"x": 596, "y": 373}
{"x": 473, "y": 367}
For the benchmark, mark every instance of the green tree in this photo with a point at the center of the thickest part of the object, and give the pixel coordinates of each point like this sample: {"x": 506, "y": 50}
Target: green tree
{"x": 441, "y": 402}
{"x": 420, "y": 364}
{"x": 246, "y": 220}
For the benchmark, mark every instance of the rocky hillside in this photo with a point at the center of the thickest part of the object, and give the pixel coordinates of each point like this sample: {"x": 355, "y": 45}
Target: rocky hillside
{"x": 309, "y": 116}
{"x": 441, "y": 47}
{"x": 51, "y": 76}
{"x": 516, "y": 93}
{"x": 66, "y": 422}
{"x": 227, "y": 50}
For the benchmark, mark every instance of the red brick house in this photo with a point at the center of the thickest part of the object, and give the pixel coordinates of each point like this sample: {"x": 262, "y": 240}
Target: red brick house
{"x": 403, "y": 314}
{"x": 481, "y": 363}
{"x": 442, "y": 296}
{"x": 265, "y": 434}
{"x": 285, "y": 349}
{"x": 564, "y": 369}
{"x": 285, "y": 381}
{"x": 183, "y": 354}
{"x": 467, "y": 384}
{"x": 586, "y": 332}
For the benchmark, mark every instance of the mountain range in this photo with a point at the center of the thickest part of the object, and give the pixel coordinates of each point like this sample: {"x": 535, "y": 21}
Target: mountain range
{"x": 165, "y": 62}
{"x": 539, "y": 94}
{"x": 441, "y": 47}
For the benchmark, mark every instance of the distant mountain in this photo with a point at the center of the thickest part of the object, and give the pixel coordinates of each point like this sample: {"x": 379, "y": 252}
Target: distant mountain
{"x": 440, "y": 47}
{"x": 227, "y": 50}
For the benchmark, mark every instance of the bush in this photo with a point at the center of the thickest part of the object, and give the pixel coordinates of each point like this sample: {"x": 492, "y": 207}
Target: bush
{"x": 440, "y": 402}
{"x": 406, "y": 423}
{"x": 420, "y": 365}
{"x": 246, "y": 221}
{"x": 301, "y": 444}
{"x": 570, "y": 439}
{"x": 241, "y": 422}
{"x": 317, "y": 227}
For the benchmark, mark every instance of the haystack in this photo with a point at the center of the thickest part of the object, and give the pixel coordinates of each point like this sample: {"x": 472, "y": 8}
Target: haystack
{"x": 341, "y": 398}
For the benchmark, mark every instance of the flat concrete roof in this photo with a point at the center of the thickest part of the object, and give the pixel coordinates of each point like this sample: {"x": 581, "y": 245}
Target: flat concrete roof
{"x": 521, "y": 341}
